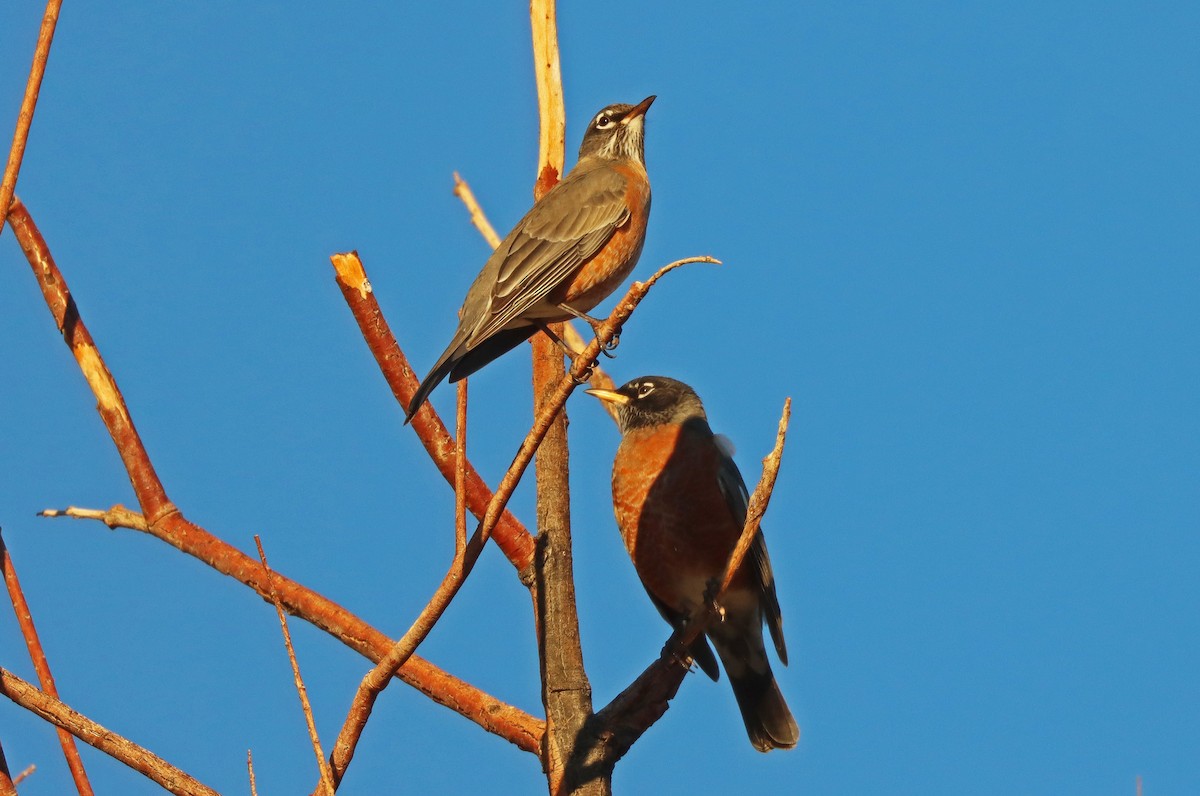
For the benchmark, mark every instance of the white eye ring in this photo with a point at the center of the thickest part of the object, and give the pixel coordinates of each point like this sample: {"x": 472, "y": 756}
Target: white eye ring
{"x": 604, "y": 121}
{"x": 645, "y": 389}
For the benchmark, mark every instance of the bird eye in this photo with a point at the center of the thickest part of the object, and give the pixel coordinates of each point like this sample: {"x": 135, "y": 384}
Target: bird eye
{"x": 645, "y": 388}
{"x": 604, "y": 121}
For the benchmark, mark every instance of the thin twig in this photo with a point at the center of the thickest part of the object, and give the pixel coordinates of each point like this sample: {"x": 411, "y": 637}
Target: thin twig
{"x": 16, "y": 154}
{"x": 136, "y": 757}
{"x": 250, "y": 771}
{"x": 463, "y": 191}
{"x": 378, "y": 678}
{"x": 29, "y": 769}
{"x": 301, "y": 690}
{"x": 41, "y": 665}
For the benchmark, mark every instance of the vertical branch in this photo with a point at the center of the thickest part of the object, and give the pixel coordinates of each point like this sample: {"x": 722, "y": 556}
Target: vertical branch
{"x": 25, "y": 116}
{"x": 566, "y": 692}
{"x": 547, "y": 75}
{"x": 40, "y": 665}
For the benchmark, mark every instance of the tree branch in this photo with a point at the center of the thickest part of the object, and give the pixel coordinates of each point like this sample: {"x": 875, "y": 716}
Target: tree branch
{"x": 33, "y": 86}
{"x": 136, "y": 757}
{"x": 499, "y": 718}
{"x": 512, "y": 537}
{"x": 40, "y": 665}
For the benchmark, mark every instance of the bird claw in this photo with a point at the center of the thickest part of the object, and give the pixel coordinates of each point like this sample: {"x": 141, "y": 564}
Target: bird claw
{"x": 584, "y": 377}
{"x": 611, "y": 345}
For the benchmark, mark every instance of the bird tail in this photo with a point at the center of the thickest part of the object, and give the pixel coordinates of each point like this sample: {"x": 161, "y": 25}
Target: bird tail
{"x": 458, "y": 361}
{"x": 769, "y": 723}
{"x": 437, "y": 374}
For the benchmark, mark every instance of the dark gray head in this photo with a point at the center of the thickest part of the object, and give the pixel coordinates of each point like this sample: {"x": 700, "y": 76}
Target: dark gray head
{"x": 652, "y": 401}
{"x": 616, "y": 132}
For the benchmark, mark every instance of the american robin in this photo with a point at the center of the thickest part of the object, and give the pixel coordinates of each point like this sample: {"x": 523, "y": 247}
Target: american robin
{"x": 566, "y": 255}
{"x": 681, "y": 504}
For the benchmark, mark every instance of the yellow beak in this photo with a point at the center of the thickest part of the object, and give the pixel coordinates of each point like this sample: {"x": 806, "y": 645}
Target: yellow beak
{"x": 610, "y": 396}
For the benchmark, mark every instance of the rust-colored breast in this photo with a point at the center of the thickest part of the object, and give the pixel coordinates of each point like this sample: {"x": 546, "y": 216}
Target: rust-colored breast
{"x": 673, "y": 518}
{"x": 605, "y": 271}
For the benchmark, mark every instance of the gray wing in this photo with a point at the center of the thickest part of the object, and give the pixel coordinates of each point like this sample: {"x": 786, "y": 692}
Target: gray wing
{"x": 562, "y": 231}
{"x": 737, "y": 497}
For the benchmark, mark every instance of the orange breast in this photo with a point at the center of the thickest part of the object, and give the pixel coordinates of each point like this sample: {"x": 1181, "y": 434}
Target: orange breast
{"x": 604, "y": 272}
{"x": 673, "y": 518}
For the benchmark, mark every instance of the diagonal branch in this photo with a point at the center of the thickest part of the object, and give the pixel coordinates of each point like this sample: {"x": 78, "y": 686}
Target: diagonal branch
{"x": 109, "y": 402}
{"x": 139, "y": 759}
{"x": 40, "y": 665}
{"x": 41, "y": 53}
{"x": 496, "y": 717}
{"x": 512, "y": 537}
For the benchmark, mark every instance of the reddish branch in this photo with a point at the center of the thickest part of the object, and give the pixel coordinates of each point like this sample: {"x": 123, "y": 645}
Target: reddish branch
{"x": 40, "y": 665}
{"x": 33, "y": 86}
{"x": 162, "y": 519}
{"x": 88, "y": 731}
{"x": 512, "y": 537}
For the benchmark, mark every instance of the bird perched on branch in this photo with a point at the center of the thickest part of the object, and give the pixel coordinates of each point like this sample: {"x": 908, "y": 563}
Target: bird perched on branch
{"x": 570, "y": 251}
{"x": 680, "y": 503}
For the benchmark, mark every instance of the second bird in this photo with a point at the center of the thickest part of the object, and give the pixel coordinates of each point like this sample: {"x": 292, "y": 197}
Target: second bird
{"x": 570, "y": 251}
{"x": 681, "y": 504}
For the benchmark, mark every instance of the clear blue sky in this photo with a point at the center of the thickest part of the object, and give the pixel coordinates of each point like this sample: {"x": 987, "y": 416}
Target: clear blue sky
{"x": 961, "y": 236}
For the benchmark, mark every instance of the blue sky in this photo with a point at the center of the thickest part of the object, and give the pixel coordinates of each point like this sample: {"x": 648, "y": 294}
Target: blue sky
{"x": 961, "y": 236}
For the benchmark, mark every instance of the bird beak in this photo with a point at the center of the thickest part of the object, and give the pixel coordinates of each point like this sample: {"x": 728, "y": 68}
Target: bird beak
{"x": 610, "y": 396}
{"x": 639, "y": 110}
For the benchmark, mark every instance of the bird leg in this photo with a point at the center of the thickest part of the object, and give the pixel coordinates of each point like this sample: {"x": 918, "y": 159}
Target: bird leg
{"x": 595, "y": 323}
{"x": 571, "y": 353}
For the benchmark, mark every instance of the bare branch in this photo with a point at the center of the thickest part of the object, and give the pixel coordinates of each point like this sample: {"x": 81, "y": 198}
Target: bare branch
{"x": 109, "y": 402}
{"x": 499, "y": 718}
{"x": 464, "y": 192}
{"x": 250, "y": 771}
{"x": 548, "y": 76}
{"x": 40, "y": 665}
{"x": 301, "y": 690}
{"x": 511, "y": 536}
{"x": 136, "y": 757}
{"x": 33, "y": 86}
